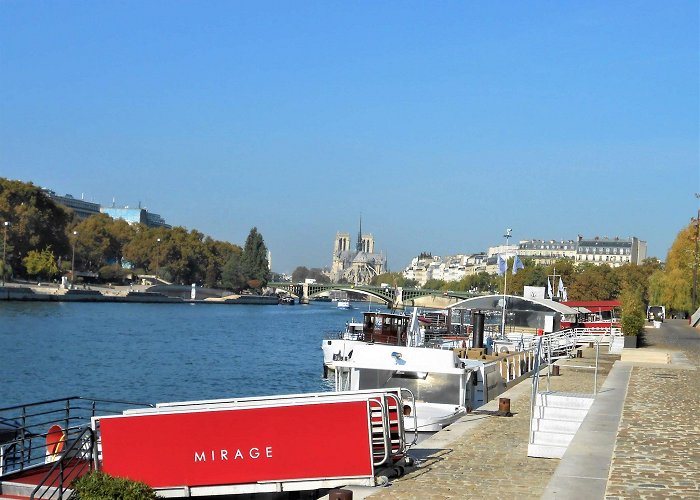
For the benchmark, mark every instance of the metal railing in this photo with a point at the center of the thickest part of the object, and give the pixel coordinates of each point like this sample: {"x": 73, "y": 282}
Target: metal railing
{"x": 75, "y": 461}
{"x": 565, "y": 341}
{"x": 535, "y": 386}
{"x": 24, "y": 428}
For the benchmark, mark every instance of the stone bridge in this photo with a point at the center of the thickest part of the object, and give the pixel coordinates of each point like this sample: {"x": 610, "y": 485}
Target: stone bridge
{"x": 394, "y": 297}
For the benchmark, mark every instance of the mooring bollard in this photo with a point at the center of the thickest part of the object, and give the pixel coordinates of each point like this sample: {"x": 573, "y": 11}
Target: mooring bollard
{"x": 340, "y": 495}
{"x": 504, "y": 407}
{"x": 555, "y": 370}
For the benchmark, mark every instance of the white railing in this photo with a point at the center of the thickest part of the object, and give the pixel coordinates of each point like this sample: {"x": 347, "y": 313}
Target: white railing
{"x": 514, "y": 366}
{"x": 566, "y": 340}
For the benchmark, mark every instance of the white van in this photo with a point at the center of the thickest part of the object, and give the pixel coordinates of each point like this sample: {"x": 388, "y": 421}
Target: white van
{"x": 656, "y": 313}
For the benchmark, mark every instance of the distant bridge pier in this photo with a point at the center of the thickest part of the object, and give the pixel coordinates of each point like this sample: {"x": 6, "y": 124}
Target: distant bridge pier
{"x": 304, "y": 297}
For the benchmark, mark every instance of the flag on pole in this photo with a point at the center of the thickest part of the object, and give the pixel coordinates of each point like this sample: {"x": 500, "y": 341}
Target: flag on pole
{"x": 501, "y": 265}
{"x": 562, "y": 291}
{"x": 549, "y": 288}
{"x": 517, "y": 264}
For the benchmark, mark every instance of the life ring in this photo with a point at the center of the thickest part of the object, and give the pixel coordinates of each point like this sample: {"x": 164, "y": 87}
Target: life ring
{"x": 503, "y": 349}
{"x": 55, "y": 442}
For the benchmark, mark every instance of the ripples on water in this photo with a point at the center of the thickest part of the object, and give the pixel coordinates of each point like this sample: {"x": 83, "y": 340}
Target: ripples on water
{"x": 162, "y": 352}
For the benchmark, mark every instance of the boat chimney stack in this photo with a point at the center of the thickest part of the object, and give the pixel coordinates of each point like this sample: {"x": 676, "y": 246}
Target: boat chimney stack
{"x": 478, "y": 322}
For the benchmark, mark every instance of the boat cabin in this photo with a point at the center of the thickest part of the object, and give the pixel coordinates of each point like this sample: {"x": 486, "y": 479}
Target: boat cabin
{"x": 385, "y": 328}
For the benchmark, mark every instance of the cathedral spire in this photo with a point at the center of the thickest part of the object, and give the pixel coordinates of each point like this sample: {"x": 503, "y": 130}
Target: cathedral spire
{"x": 358, "y": 246}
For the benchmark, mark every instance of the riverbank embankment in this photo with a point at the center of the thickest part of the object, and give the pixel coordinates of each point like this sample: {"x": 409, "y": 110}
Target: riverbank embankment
{"x": 51, "y": 293}
{"x": 640, "y": 438}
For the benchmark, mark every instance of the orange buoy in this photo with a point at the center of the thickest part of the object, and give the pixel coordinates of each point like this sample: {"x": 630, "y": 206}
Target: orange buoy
{"x": 55, "y": 441}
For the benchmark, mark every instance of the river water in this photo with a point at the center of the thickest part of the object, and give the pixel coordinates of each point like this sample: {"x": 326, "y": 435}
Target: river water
{"x": 162, "y": 352}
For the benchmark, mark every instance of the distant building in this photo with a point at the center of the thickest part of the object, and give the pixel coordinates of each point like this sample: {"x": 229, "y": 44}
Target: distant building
{"x": 135, "y": 216}
{"x": 547, "y": 252}
{"x": 613, "y": 252}
{"x": 450, "y": 268}
{"x": 82, "y": 209}
{"x": 358, "y": 265}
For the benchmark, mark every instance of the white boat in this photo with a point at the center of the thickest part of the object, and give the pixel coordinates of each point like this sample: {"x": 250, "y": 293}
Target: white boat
{"x": 440, "y": 382}
{"x": 343, "y": 304}
{"x": 376, "y": 327}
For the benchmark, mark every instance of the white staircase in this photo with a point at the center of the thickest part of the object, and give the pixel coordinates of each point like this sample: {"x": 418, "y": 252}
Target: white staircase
{"x": 556, "y": 417}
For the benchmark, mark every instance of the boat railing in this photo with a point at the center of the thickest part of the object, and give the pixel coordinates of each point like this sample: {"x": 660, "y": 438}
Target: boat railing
{"x": 34, "y": 434}
{"x": 72, "y": 463}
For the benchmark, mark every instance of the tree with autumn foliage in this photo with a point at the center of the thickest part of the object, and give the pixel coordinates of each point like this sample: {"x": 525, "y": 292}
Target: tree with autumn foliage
{"x": 677, "y": 280}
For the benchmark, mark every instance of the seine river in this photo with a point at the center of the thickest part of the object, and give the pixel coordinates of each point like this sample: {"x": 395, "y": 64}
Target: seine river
{"x": 162, "y": 352}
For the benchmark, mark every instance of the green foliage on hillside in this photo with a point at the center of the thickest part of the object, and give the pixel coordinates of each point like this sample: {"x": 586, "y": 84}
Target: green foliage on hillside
{"x": 113, "y": 248}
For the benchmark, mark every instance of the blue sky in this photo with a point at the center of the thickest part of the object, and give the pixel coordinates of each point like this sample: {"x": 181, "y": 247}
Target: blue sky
{"x": 442, "y": 123}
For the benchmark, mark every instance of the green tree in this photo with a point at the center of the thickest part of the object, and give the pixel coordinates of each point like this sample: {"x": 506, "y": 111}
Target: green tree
{"x": 35, "y": 222}
{"x": 678, "y": 277}
{"x": 300, "y": 274}
{"x": 434, "y": 284}
{"x": 41, "y": 264}
{"x": 254, "y": 262}
{"x": 232, "y": 274}
{"x": 593, "y": 282}
{"x": 393, "y": 280}
{"x": 97, "y": 242}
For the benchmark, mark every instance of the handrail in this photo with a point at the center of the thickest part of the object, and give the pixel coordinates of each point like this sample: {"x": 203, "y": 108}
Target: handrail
{"x": 26, "y": 447}
{"x": 386, "y": 436}
{"x": 415, "y": 416}
{"x": 79, "y": 451}
{"x": 535, "y": 387}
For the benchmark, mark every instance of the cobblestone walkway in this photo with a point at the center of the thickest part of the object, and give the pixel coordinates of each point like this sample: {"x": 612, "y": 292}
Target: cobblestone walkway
{"x": 492, "y": 461}
{"x": 657, "y": 452}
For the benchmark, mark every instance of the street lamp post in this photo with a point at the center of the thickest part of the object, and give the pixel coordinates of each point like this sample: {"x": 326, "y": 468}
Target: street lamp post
{"x": 157, "y": 256}
{"x": 4, "y": 245}
{"x": 507, "y": 236}
{"x": 72, "y": 272}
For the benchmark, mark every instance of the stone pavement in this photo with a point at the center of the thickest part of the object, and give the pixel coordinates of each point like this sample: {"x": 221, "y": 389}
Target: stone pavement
{"x": 485, "y": 455}
{"x": 654, "y": 453}
{"x": 657, "y": 451}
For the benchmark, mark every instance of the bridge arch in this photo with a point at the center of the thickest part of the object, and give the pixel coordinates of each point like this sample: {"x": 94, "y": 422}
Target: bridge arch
{"x": 395, "y": 298}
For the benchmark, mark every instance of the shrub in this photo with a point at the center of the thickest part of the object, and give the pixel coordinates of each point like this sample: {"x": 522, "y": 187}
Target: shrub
{"x": 97, "y": 485}
{"x": 633, "y": 317}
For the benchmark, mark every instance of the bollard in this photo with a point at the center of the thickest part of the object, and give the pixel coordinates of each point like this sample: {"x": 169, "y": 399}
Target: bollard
{"x": 504, "y": 407}
{"x": 555, "y": 370}
{"x": 340, "y": 495}
{"x": 579, "y": 353}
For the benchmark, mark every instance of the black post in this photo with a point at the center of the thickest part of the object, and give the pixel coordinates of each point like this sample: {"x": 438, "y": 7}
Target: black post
{"x": 478, "y": 322}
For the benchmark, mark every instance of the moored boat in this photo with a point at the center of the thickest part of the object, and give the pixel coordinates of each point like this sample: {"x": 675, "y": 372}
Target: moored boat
{"x": 438, "y": 380}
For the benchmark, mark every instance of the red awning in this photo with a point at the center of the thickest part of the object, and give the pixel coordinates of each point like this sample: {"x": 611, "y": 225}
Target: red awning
{"x": 595, "y": 305}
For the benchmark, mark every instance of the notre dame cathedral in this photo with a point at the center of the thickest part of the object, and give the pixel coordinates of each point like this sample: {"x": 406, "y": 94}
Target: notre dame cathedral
{"x": 358, "y": 265}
